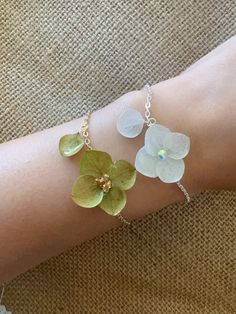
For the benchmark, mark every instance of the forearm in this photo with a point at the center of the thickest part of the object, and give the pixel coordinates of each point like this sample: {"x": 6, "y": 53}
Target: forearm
{"x": 38, "y": 217}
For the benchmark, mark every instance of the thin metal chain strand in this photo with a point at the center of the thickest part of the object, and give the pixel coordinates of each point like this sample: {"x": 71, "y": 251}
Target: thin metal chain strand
{"x": 149, "y": 121}
{"x": 185, "y": 192}
{"x": 84, "y": 130}
{"x": 122, "y": 219}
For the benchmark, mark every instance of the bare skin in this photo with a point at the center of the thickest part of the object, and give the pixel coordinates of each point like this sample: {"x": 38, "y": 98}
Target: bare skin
{"x": 37, "y": 216}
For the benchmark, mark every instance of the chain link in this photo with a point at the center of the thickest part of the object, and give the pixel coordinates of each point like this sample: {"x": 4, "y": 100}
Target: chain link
{"x": 185, "y": 192}
{"x": 84, "y": 130}
{"x": 122, "y": 219}
{"x": 148, "y": 119}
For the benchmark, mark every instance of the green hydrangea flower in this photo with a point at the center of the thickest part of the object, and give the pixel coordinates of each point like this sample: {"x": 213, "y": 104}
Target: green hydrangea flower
{"x": 103, "y": 183}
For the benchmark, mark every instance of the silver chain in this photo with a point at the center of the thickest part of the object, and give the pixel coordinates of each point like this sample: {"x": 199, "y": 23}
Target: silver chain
{"x": 149, "y": 121}
{"x": 185, "y": 192}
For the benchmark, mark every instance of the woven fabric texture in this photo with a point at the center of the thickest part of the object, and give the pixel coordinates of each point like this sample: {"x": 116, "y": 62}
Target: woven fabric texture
{"x": 59, "y": 59}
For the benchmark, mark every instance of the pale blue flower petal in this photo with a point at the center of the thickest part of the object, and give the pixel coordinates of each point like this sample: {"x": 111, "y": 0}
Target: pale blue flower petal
{"x": 130, "y": 123}
{"x": 177, "y": 145}
{"x": 154, "y": 138}
{"x": 3, "y": 310}
{"x": 146, "y": 164}
{"x": 170, "y": 170}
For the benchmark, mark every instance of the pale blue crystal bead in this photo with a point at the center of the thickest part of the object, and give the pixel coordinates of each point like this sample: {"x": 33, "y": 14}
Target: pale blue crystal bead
{"x": 162, "y": 154}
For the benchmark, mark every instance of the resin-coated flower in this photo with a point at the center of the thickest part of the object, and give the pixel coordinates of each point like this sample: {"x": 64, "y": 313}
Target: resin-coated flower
{"x": 103, "y": 183}
{"x": 162, "y": 154}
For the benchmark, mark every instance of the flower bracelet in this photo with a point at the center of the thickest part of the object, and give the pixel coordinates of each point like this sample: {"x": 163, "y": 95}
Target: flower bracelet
{"x": 104, "y": 183}
{"x": 163, "y": 151}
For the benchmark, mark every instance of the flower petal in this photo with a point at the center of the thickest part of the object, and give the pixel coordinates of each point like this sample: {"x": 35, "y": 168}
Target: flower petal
{"x": 146, "y": 163}
{"x": 70, "y": 144}
{"x": 3, "y": 310}
{"x": 114, "y": 201}
{"x": 122, "y": 174}
{"x": 130, "y": 123}
{"x": 95, "y": 163}
{"x": 86, "y": 193}
{"x": 177, "y": 145}
{"x": 154, "y": 137}
{"x": 170, "y": 170}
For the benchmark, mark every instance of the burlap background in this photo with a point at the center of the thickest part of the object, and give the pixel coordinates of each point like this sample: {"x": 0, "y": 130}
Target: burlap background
{"x": 59, "y": 58}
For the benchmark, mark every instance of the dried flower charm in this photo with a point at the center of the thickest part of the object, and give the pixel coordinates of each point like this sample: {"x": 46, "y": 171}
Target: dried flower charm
{"x": 102, "y": 182}
{"x": 162, "y": 154}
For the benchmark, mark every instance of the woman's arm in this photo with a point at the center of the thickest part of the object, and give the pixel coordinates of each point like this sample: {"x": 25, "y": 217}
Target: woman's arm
{"x": 37, "y": 216}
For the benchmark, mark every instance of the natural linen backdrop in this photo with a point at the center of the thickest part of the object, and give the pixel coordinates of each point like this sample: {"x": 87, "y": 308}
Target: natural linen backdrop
{"x": 61, "y": 58}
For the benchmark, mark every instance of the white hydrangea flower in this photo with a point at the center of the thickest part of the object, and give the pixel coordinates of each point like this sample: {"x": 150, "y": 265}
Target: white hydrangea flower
{"x": 3, "y": 310}
{"x": 162, "y": 154}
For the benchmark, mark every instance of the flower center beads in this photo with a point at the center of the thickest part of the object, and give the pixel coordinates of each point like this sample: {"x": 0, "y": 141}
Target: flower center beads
{"x": 104, "y": 183}
{"x": 162, "y": 154}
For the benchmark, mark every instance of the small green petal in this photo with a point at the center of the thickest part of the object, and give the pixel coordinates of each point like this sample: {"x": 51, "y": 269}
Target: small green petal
{"x": 70, "y": 144}
{"x": 114, "y": 201}
{"x": 95, "y": 163}
{"x": 86, "y": 193}
{"x": 123, "y": 174}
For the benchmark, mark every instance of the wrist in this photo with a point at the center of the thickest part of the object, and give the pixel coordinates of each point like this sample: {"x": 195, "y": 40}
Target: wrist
{"x": 174, "y": 105}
